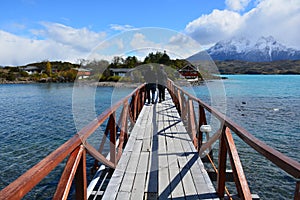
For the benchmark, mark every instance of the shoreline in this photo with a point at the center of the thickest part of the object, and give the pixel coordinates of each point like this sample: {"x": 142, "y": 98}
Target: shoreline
{"x": 99, "y": 84}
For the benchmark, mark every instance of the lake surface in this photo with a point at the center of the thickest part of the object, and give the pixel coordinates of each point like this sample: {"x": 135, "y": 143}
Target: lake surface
{"x": 35, "y": 119}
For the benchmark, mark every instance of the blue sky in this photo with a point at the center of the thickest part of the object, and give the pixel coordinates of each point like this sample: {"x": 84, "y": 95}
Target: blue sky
{"x": 37, "y": 30}
{"x": 99, "y": 16}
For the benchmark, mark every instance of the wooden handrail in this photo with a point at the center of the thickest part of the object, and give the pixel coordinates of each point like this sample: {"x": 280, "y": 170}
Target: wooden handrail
{"x": 284, "y": 162}
{"x": 21, "y": 186}
{"x": 75, "y": 148}
{"x": 287, "y": 164}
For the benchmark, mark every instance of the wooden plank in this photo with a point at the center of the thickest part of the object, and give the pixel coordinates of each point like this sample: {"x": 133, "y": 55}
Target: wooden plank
{"x": 139, "y": 181}
{"x": 99, "y": 192}
{"x": 143, "y": 121}
{"x": 187, "y": 180}
{"x": 131, "y": 169}
{"x": 136, "y": 130}
{"x": 204, "y": 186}
{"x": 116, "y": 179}
{"x": 123, "y": 195}
{"x": 147, "y": 138}
{"x": 200, "y": 177}
{"x": 199, "y": 181}
{"x": 187, "y": 187}
{"x": 144, "y": 131}
{"x": 174, "y": 153}
{"x": 163, "y": 171}
{"x": 152, "y": 187}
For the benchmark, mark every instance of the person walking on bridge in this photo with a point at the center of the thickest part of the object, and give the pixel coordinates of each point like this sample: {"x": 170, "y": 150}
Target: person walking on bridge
{"x": 150, "y": 78}
{"x": 162, "y": 82}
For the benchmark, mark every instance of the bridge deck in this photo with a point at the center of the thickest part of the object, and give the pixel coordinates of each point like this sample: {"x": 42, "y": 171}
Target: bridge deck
{"x": 160, "y": 161}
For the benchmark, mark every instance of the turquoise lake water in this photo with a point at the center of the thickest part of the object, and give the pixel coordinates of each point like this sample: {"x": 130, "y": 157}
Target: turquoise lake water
{"x": 35, "y": 119}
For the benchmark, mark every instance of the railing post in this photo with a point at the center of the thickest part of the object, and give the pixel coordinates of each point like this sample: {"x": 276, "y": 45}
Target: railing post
{"x": 112, "y": 137}
{"x": 174, "y": 96}
{"x": 202, "y": 121}
{"x": 297, "y": 191}
{"x": 141, "y": 99}
{"x": 236, "y": 165}
{"x": 222, "y": 165}
{"x": 66, "y": 179}
{"x": 179, "y": 102}
{"x": 123, "y": 132}
{"x": 135, "y": 105}
{"x": 138, "y": 103}
{"x": 183, "y": 108}
{"x": 80, "y": 177}
{"x": 192, "y": 123}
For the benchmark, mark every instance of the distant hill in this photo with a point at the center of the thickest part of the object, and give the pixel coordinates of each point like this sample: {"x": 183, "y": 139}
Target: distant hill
{"x": 244, "y": 67}
{"x": 265, "y": 49}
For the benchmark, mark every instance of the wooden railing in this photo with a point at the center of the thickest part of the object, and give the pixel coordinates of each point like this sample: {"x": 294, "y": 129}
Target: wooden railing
{"x": 77, "y": 147}
{"x": 186, "y": 104}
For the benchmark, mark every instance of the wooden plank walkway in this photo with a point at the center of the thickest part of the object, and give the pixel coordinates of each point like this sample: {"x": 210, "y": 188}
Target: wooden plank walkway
{"x": 159, "y": 160}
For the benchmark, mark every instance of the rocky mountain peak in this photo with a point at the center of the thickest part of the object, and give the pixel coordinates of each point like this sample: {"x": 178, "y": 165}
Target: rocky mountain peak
{"x": 262, "y": 49}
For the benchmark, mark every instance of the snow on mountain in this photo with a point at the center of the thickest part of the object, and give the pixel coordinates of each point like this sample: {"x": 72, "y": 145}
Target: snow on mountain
{"x": 263, "y": 49}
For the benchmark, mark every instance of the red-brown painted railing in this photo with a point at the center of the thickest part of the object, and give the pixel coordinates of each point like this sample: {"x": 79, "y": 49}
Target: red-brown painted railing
{"x": 184, "y": 102}
{"x": 77, "y": 147}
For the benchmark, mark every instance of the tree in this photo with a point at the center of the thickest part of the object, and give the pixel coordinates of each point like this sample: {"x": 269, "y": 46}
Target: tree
{"x": 164, "y": 59}
{"x": 48, "y": 68}
{"x": 11, "y": 76}
{"x": 153, "y": 58}
{"x": 117, "y": 60}
{"x": 131, "y": 61}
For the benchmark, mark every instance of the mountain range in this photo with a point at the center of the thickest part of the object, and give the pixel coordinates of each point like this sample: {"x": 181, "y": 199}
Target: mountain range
{"x": 264, "y": 49}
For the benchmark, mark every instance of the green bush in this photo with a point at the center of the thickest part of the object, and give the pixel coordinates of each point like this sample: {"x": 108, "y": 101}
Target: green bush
{"x": 113, "y": 78}
{"x": 11, "y": 77}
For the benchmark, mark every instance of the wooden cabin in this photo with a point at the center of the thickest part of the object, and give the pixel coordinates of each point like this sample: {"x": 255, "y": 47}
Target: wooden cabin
{"x": 190, "y": 72}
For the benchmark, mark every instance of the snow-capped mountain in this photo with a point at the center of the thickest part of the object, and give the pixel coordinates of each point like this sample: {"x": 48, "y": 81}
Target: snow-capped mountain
{"x": 264, "y": 49}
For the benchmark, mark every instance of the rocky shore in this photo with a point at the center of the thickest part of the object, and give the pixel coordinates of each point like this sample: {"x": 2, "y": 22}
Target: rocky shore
{"x": 112, "y": 84}
{"x": 98, "y": 84}
{"x": 16, "y": 82}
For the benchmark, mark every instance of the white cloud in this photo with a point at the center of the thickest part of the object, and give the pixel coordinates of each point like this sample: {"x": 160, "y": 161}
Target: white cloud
{"x": 237, "y": 5}
{"x": 17, "y": 50}
{"x": 183, "y": 45}
{"x": 118, "y": 27}
{"x": 59, "y": 43}
{"x": 79, "y": 38}
{"x": 139, "y": 40}
{"x": 279, "y": 18}
{"x": 215, "y": 26}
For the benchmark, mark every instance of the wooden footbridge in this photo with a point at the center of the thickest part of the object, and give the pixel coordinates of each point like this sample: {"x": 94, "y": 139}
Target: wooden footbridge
{"x": 154, "y": 154}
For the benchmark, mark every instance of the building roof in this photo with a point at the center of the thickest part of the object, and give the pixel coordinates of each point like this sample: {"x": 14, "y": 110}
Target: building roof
{"x": 82, "y": 69}
{"x": 188, "y": 67}
{"x": 30, "y": 68}
{"x": 125, "y": 70}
